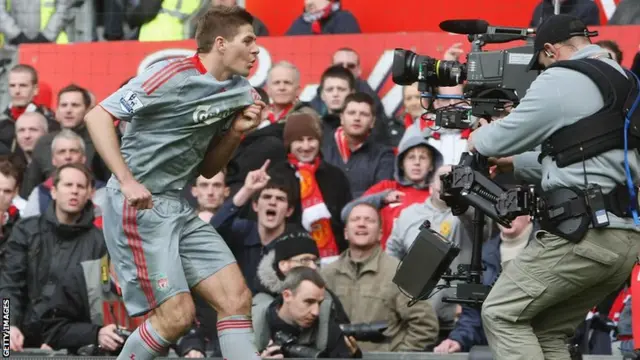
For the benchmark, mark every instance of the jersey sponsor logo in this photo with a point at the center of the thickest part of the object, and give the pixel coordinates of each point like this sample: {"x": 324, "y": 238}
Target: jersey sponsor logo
{"x": 208, "y": 114}
{"x": 130, "y": 102}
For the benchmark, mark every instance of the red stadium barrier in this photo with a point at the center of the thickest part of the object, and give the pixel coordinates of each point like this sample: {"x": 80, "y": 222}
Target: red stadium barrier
{"x": 101, "y": 67}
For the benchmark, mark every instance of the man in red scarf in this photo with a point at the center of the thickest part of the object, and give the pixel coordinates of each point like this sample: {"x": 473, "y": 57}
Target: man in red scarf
{"x": 324, "y": 17}
{"x": 283, "y": 88}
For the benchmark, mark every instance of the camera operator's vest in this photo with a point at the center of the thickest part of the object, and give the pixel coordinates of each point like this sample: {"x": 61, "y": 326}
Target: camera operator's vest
{"x": 316, "y": 336}
{"x": 604, "y": 130}
{"x": 103, "y": 303}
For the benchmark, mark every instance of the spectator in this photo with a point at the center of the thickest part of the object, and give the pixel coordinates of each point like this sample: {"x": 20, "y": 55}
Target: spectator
{"x": 362, "y": 279}
{"x": 9, "y": 213}
{"x": 249, "y": 240}
{"x": 612, "y": 48}
{"x": 290, "y": 251}
{"x": 283, "y": 87}
{"x": 302, "y": 311}
{"x": 42, "y": 250}
{"x": 23, "y": 86}
{"x": 210, "y": 194}
{"x": 585, "y": 10}
{"x": 414, "y": 170}
{"x": 413, "y": 110}
{"x": 457, "y": 229}
{"x": 350, "y": 60}
{"x": 322, "y": 187}
{"x": 351, "y": 148}
{"x": 73, "y": 104}
{"x": 336, "y": 83}
{"x": 66, "y": 148}
{"x": 87, "y": 308}
{"x": 324, "y": 17}
{"x": 35, "y": 22}
{"x": 496, "y": 252}
{"x": 30, "y": 127}
{"x": 259, "y": 28}
{"x": 627, "y": 13}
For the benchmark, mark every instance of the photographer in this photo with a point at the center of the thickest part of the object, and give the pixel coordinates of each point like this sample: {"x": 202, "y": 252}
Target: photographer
{"x": 547, "y": 290}
{"x": 87, "y": 317}
{"x": 298, "y": 323}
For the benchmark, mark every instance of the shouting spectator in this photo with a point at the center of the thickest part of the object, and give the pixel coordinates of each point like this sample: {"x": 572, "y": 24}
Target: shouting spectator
{"x": 42, "y": 250}
{"x": 322, "y": 187}
{"x": 585, "y": 10}
{"x": 30, "y": 127}
{"x": 324, "y": 17}
{"x": 351, "y": 148}
{"x": 66, "y": 148}
{"x": 361, "y": 278}
{"x": 73, "y": 104}
{"x": 302, "y": 312}
{"x": 23, "y": 87}
{"x": 87, "y": 309}
{"x": 415, "y": 167}
{"x": 273, "y": 201}
{"x": 209, "y": 194}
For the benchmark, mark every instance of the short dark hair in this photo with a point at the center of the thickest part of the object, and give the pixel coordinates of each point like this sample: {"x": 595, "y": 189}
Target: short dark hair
{"x": 220, "y": 21}
{"x": 79, "y": 167}
{"x": 337, "y": 71}
{"x": 28, "y": 69}
{"x": 10, "y": 170}
{"x": 279, "y": 183}
{"x": 86, "y": 97}
{"x": 360, "y": 97}
{"x": 613, "y": 46}
{"x": 297, "y": 275}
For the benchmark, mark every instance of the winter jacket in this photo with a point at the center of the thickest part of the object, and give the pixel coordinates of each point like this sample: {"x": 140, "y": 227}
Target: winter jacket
{"x": 413, "y": 193}
{"x": 39, "y": 254}
{"x": 81, "y": 306}
{"x": 585, "y": 10}
{"x": 334, "y": 187}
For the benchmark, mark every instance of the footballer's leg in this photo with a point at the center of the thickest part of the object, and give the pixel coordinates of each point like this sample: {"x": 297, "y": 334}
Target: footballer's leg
{"x": 211, "y": 270}
{"x": 150, "y": 273}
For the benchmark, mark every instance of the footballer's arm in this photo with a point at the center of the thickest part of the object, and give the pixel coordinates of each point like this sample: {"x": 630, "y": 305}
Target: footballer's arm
{"x": 219, "y": 152}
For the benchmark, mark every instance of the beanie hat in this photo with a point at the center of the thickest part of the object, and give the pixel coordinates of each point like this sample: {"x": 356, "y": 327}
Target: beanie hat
{"x": 300, "y": 125}
{"x": 290, "y": 245}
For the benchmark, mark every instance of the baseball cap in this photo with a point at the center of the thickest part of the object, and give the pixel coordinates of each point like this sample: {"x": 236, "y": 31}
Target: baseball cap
{"x": 555, "y": 29}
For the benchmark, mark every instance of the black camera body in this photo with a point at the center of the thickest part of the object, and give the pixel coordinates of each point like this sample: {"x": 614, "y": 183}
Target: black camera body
{"x": 97, "y": 350}
{"x": 370, "y": 332}
{"x": 493, "y": 78}
{"x": 290, "y": 348}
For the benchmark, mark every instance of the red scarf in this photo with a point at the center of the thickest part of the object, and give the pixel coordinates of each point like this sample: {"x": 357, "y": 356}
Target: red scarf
{"x": 314, "y": 206}
{"x": 316, "y": 17}
{"x": 274, "y": 117}
{"x": 17, "y": 111}
{"x": 343, "y": 145}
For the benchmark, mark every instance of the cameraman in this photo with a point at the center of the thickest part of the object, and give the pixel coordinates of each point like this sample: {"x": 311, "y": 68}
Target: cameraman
{"x": 87, "y": 312}
{"x": 546, "y": 291}
{"x": 300, "y": 315}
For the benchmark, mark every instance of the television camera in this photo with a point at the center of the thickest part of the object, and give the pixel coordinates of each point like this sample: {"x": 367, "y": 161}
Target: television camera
{"x": 494, "y": 80}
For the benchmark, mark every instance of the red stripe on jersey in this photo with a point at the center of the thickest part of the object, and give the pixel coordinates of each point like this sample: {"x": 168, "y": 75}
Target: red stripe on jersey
{"x": 163, "y": 75}
{"x": 196, "y": 61}
{"x": 169, "y": 76}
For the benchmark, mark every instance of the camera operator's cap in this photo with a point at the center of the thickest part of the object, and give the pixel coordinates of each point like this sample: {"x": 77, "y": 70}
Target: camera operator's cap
{"x": 555, "y": 29}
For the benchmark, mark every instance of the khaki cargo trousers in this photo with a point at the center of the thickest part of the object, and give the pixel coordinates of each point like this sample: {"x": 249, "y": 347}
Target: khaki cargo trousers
{"x": 544, "y": 293}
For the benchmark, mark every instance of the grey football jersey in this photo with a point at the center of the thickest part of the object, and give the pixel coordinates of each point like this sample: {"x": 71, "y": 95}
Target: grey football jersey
{"x": 174, "y": 109}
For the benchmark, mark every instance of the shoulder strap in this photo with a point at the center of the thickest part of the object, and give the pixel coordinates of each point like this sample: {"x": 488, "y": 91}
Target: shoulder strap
{"x": 92, "y": 275}
{"x": 322, "y": 338}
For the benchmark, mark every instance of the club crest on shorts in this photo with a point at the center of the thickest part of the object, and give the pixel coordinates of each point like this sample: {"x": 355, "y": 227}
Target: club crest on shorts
{"x": 162, "y": 283}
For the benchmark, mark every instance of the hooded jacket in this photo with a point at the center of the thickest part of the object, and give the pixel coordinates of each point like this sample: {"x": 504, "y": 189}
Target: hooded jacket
{"x": 270, "y": 283}
{"x": 39, "y": 253}
{"x": 413, "y": 193}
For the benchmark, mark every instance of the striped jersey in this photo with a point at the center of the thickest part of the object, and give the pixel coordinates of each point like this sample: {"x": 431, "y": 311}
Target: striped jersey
{"x": 174, "y": 109}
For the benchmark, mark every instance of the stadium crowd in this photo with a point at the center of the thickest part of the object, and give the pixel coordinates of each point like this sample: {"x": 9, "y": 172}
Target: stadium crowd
{"x": 333, "y": 185}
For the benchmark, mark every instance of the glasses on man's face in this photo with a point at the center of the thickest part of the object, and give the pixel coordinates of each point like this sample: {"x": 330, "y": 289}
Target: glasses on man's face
{"x": 307, "y": 261}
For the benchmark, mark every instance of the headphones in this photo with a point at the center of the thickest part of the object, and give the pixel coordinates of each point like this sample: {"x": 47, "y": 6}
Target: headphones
{"x": 549, "y": 55}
